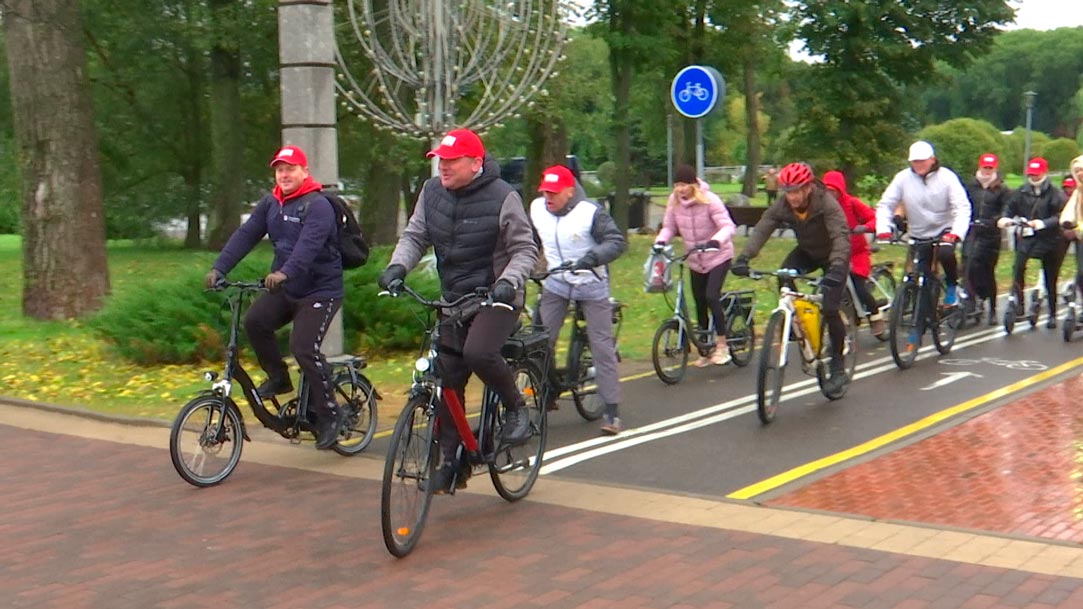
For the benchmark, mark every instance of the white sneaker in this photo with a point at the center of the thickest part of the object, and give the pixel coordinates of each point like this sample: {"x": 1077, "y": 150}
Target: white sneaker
{"x": 703, "y": 362}
{"x": 721, "y": 356}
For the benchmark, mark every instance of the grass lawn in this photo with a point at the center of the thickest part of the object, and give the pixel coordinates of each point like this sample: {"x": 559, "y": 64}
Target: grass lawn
{"x": 65, "y": 363}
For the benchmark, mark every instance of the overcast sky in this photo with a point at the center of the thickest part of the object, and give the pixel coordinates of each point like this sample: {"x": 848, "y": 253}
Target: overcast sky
{"x": 1046, "y": 14}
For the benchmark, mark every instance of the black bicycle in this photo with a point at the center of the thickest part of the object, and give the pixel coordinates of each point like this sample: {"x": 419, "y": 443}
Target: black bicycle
{"x": 576, "y": 376}
{"x": 413, "y": 455}
{"x": 917, "y": 307}
{"x": 675, "y": 337}
{"x": 205, "y": 442}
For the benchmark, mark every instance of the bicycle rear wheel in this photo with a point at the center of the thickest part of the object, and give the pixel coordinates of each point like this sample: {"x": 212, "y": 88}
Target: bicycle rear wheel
{"x": 514, "y": 469}
{"x": 1069, "y": 324}
{"x": 740, "y": 337}
{"x": 669, "y": 352}
{"x": 405, "y": 495}
{"x": 359, "y": 400}
{"x": 206, "y": 440}
{"x": 771, "y": 373}
{"x": 587, "y": 403}
{"x": 903, "y": 324}
{"x": 947, "y": 321}
{"x": 849, "y": 350}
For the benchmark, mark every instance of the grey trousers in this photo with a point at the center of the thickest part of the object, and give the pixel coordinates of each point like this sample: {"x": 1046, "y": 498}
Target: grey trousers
{"x": 599, "y": 318}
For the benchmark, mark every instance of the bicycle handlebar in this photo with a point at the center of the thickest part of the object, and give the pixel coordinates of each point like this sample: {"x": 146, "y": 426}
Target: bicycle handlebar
{"x": 784, "y": 274}
{"x": 223, "y": 284}
{"x": 567, "y": 267}
{"x": 698, "y": 249}
{"x": 480, "y": 293}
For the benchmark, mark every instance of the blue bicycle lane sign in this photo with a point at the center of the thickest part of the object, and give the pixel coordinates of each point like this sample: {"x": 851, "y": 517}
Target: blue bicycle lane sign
{"x": 696, "y": 90}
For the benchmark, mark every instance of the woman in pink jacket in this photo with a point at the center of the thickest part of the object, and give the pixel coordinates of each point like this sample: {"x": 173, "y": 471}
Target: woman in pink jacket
{"x": 699, "y": 217}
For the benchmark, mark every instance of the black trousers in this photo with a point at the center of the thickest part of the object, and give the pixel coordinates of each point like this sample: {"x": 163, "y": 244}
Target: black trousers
{"x": 800, "y": 260}
{"x": 707, "y": 292}
{"x": 311, "y": 318}
{"x": 1051, "y": 261}
{"x": 473, "y": 346}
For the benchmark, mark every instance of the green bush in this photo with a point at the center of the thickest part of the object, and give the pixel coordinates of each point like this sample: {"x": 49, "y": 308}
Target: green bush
{"x": 172, "y": 321}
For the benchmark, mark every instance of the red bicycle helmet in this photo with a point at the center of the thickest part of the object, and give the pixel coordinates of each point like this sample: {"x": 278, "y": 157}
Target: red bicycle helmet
{"x": 794, "y": 175}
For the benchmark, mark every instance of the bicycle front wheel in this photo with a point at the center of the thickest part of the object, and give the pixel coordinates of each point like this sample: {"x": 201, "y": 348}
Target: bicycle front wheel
{"x": 903, "y": 331}
{"x": 514, "y": 469}
{"x": 405, "y": 495}
{"x": 772, "y": 369}
{"x": 206, "y": 441}
{"x": 359, "y": 400}
{"x": 669, "y": 352}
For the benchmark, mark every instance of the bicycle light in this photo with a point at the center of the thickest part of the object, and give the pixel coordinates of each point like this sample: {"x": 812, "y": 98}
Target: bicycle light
{"x": 422, "y": 364}
{"x": 209, "y": 376}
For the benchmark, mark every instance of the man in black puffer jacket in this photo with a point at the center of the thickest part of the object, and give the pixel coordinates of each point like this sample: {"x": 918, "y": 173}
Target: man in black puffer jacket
{"x": 479, "y": 229}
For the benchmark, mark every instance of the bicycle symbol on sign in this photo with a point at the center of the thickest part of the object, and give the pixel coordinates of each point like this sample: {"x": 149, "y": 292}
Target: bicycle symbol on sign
{"x": 693, "y": 89}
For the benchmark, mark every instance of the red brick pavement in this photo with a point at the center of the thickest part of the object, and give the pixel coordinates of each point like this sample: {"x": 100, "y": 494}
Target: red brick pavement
{"x": 94, "y": 524}
{"x": 1017, "y": 469}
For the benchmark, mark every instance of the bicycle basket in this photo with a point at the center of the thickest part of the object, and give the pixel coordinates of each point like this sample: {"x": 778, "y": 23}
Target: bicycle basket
{"x": 657, "y": 272}
{"x": 527, "y": 342}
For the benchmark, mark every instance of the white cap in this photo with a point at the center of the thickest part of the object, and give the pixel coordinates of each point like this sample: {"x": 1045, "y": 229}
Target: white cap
{"x": 921, "y": 151}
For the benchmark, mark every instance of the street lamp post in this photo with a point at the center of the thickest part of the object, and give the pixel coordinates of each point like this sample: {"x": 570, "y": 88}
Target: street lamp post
{"x": 1029, "y": 98}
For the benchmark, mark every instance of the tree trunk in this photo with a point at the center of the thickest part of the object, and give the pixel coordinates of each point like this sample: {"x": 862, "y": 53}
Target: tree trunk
{"x": 380, "y": 201}
{"x": 621, "y": 68}
{"x": 752, "y": 112}
{"x": 227, "y": 139}
{"x": 65, "y": 271}
{"x": 548, "y": 146}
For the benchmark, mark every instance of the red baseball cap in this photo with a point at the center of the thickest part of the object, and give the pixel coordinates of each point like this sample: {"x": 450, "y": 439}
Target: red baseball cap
{"x": 556, "y": 179}
{"x": 1037, "y": 166}
{"x": 988, "y": 160}
{"x": 292, "y": 155}
{"x": 459, "y": 143}
{"x": 1068, "y": 182}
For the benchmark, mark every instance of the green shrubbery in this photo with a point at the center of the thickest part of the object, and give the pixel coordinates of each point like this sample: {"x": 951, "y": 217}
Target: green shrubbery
{"x": 171, "y": 320}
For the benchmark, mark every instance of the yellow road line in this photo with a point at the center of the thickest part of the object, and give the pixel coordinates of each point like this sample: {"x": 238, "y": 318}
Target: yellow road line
{"x": 814, "y": 466}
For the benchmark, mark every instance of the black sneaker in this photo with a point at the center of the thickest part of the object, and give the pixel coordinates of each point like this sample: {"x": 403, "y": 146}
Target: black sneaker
{"x": 272, "y": 387}
{"x": 1051, "y": 323}
{"x": 327, "y": 428}
{"x": 442, "y": 477}
{"x": 516, "y": 429}
{"x": 838, "y": 378}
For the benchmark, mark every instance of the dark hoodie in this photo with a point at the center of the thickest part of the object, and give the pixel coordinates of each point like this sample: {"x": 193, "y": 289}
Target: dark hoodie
{"x": 1044, "y": 203}
{"x": 306, "y": 252}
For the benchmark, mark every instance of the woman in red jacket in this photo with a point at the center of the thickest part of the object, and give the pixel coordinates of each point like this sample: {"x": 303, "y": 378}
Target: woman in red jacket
{"x": 862, "y": 219}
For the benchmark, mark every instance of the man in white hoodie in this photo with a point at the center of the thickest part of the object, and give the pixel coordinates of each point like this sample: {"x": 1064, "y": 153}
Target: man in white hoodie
{"x": 936, "y": 206}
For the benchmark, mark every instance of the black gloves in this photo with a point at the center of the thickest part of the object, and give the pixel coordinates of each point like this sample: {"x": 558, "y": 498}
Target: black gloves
{"x": 502, "y": 291}
{"x": 712, "y": 244}
{"x": 740, "y": 266}
{"x": 212, "y": 279}
{"x": 392, "y": 274}
{"x": 588, "y": 261}
{"x": 658, "y": 247}
{"x": 835, "y": 276}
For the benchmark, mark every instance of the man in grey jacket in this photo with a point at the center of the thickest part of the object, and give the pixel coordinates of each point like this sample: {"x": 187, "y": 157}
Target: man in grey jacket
{"x": 476, "y": 224}
{"x": 577, "y": 231}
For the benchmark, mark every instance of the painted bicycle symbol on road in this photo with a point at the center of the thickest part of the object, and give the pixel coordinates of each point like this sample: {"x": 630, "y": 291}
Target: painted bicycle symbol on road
{"x": 1023, "y": 364}
{"x": 693, "y": 89}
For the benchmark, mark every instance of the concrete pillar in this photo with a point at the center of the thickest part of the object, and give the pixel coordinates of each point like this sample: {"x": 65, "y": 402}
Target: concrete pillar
{"x": 306, "y": 56}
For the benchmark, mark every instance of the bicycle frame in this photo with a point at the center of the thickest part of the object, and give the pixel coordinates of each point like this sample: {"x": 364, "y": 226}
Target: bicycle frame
{"x": 680, "y": 312}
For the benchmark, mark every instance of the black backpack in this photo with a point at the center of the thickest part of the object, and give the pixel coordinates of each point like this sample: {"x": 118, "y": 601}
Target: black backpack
{"x": 351, "y": 243}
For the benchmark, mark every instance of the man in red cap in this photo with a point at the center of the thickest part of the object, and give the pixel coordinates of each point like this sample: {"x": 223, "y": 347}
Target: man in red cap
{"x": 988, "y": 197}
{"x": 477, "y": 226}
{"x": 305, "y": 284}
{"x": 1068, "y": 186}
{"x": 1039, "y": 203}
{"x": 577, "y": 232}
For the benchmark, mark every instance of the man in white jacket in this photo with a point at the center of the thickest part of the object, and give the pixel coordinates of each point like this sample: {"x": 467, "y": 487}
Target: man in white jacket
{"x": 936, "y": 206}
